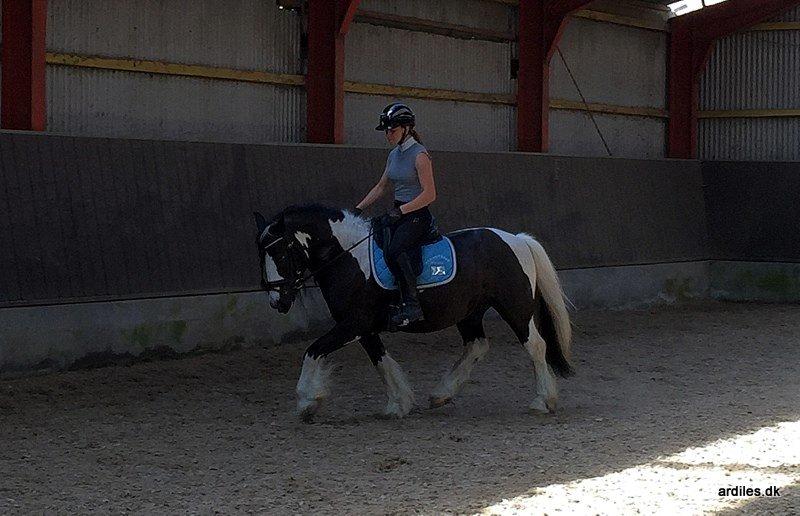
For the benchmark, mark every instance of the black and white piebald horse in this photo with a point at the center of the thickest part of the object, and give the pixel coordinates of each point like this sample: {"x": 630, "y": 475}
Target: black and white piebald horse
{"x": 507, "y": 272}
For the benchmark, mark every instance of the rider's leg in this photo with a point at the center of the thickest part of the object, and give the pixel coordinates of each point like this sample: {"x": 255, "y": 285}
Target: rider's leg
{"x": 408, "y": 234}
{"x": 410, "y": 311}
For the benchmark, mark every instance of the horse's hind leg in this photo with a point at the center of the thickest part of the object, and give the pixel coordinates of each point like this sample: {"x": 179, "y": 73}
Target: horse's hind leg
{"x": 524, "y": 328}
{"x": 476, "y": 346}
{"x": 401, "y": 397}
{"x": 546, "y": 392}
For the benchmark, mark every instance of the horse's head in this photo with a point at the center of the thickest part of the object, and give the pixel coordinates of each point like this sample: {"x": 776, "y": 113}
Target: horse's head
{"x": 284, "y": 259}
{"x": 289, "y": 244}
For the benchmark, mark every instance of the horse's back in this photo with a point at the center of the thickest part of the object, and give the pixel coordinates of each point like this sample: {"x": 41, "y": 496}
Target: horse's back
{"x": 484, "y": 239}
{"x": 490, "y": 249}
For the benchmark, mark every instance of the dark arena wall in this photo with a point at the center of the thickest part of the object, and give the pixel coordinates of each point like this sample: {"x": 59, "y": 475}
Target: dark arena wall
{"x": 88, "y": 219}
{"x": 753, "y": 216}
{"x": 753, "y": 210}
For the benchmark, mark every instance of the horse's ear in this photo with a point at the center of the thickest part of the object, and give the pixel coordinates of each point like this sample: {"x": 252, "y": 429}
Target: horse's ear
{"x": 288, "y": 222}
{"x": 278, "y": 228}
{"x": 261, "y": 222}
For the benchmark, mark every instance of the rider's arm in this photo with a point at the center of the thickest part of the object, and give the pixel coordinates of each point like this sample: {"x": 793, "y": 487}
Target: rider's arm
{"x": 425, "y": 174}
{"x": 377, "y": 191}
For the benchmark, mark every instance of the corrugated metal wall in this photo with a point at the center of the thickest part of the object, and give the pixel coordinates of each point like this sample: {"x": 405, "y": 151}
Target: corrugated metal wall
{"x": 384, "y": 55}
{"x": 632, "y": 74}
{"x": 135, "y": 105}
{"x": 243, "y": 34}
{"x": 613, "y": 65}
{"x": 616, "y": 65}
{"x": 572, "y": 133}
{"x": 752, "y": 70}
{"x": 486, "y": 14}
{"x": 443, "y": 125}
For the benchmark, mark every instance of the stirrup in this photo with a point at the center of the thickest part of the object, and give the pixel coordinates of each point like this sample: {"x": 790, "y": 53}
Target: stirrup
{"x": 402, "y": 318}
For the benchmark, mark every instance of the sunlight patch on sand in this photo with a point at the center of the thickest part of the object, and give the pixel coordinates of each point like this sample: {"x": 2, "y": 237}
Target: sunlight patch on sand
{"x": 688, "y": 482}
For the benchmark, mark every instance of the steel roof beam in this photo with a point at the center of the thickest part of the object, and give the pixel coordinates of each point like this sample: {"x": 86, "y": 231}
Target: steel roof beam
{"x": 347, "y": 17}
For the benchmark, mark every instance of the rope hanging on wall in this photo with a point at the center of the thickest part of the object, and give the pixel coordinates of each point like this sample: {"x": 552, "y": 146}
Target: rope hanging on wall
{"x": 583, "y": 99}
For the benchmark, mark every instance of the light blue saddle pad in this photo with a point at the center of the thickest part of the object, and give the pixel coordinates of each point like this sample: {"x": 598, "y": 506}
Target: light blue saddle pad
{"x": 438, "y": 265}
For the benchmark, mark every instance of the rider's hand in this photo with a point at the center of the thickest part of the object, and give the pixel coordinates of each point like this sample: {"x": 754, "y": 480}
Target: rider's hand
{"x": 394, "y": 214}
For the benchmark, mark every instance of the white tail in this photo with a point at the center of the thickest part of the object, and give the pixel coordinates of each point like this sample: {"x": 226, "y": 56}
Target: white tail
{"x": 548, "y": 284}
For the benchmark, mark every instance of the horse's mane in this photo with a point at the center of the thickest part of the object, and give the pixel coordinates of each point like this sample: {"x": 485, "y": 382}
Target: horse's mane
{"x": 309, "y": 209}
{"x": 348, "y": 228}
{"x": 351, "y": 227}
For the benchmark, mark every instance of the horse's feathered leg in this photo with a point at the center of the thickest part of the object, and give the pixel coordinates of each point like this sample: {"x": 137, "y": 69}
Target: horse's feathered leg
{"x": 546, "y": 391}
{"x": 524, "y": 327}
{"x": 401, "y": 397}
{"x": 312, "y": 387}
{"x": 476, "y": 346}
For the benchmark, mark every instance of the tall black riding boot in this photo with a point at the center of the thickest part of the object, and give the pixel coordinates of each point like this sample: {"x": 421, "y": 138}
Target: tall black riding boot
{"x": 409, "y": 310}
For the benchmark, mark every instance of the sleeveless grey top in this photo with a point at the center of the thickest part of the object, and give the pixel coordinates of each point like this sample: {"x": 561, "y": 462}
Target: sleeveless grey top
{"x": 402, "y": 170}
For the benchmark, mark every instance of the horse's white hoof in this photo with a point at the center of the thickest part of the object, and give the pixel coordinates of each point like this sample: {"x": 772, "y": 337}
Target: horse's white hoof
{"x": 392, "y": 411}
{"x": 307, "y": 408}
{"x": 439, "y": 401}
{"x": 539, "y": 406}
{"x": 399, "y": 407}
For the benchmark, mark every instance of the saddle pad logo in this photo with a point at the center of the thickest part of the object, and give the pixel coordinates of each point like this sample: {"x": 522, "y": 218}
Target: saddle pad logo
{"x": 438, "y": 270}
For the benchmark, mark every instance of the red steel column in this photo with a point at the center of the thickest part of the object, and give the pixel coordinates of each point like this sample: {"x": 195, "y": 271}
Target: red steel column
{"x": 23, "y": 65}
{"x": 325, "y": 75}
{"x": 692, "y": 39}
{"x": 541, "y": 23}
{"x": 532, "y": 79}
{"x": 683, "y": 96}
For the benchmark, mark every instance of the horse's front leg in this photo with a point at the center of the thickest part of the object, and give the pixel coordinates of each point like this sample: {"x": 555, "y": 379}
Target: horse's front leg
{"x": 312, "y": 387}
{"x": 399, "y": 393}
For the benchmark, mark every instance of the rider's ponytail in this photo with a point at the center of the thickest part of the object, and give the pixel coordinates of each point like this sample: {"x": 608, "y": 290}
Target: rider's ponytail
{"x": 414, "y": 134}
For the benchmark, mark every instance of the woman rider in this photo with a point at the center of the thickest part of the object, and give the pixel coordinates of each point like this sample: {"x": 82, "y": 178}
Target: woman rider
{"x": 410, "y": 172}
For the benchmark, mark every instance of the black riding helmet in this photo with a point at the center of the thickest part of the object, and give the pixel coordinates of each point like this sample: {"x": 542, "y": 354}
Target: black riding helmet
{"x": 394, "y": 115}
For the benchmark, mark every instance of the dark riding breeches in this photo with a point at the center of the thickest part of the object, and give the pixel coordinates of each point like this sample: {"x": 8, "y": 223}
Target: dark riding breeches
{"x": 408, "y": 233}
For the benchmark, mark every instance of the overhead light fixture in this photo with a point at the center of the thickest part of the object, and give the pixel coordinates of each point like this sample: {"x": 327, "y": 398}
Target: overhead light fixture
{"x": 688, "y": 6}
{"x": 288, "y": 5}
{"x": 685, "y": 6}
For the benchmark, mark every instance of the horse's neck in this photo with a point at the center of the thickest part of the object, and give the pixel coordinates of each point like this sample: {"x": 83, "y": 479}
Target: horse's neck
{"x": 345, "y": 233}
{"x": 348, "y": 232}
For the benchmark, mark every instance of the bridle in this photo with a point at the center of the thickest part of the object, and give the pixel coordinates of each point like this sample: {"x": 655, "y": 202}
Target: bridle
{"x": 282, "y": 285}
{"x": 299, "y": 282}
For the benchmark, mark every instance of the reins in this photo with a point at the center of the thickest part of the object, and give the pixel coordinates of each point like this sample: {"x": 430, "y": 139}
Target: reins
{"x": 329, "y": 262}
